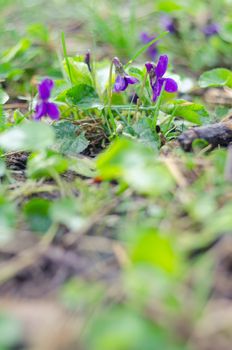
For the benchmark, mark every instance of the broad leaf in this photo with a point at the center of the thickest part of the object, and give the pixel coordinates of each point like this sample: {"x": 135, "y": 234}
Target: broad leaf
{"x": 226, "y": 32}
{"x": 216, "y": 77}
{"x": 3, "y": 97}
{"x": 79, "y": 71}
{"x": 193, "y": 112}
{"x": 36, "y": 212}
{"x": 69, "y": 140}
{"x": 136, "y": 165}
{"x": 155, "y": 249}
{"x": 83, "y": 96}
{"x": 46, "y": 164}
{"x": 30, "y": 136}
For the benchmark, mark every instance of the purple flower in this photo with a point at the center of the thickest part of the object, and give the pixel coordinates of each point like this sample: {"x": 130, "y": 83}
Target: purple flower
{"x": 211, "y": 29}
{"x": 44, "y": 107}
{"x": 157, "y": 82}
{"x": 122, "y": 80}
{"x": 152, "y": 51}
{"x": 168, "y": 23}
{"x": 88, "y": 60}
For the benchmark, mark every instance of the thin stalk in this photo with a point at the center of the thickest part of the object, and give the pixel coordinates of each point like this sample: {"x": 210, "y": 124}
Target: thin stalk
{"x": 157, "y": 109}
{"x": 66, "y": 56}
{"x": 110, "y": 85}
{"x": 141, "y": 94}
{"x": 57, "y": 178}
{"x": 111, "y": 117}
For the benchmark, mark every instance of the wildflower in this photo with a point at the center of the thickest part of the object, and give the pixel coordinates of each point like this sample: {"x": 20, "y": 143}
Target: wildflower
{"x": 157, "y": 82}
{"x": 44, "y": 107}
{"x": 87, "y": 60}
{"x": 122, "y": 80}
{"x": 211, "y": 29}
{"x": 168, "y": 24}
{"x": 152, "y": 51}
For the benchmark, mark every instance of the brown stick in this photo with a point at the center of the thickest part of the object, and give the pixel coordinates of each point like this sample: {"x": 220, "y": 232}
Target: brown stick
{"x": 219, "y": 134}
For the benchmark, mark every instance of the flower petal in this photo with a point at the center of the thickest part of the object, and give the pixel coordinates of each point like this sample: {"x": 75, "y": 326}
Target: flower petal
{"x": 162, "y": 66}
{"x": 149, "y": 66}
{"x": 211, "y": 29}
{"x": 145, "y": 38}
{"x": 170, "y": 85}
{"x": 152, "y": 51}
{"x": 120, "y": 84}
{"x": 131, "y": 80}
{"x": 168, "y": 23}
{"x": 156, "y": 89}
{"x": 53, "y": 111}
{"x": 40, "y": 111}
{"x": 45, "y": 88}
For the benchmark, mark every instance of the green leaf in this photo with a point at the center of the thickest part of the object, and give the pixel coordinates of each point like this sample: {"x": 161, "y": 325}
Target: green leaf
{"x": 78, "y": 294}
{"x": 155, "y": 249}
{"x": 79, "y": 71}
{"x": 136, "y": 72}
{"x": 68, "y": 141}
{"x": 38, "y": 31}
{"x": 134, "y": 164}
{"x": 145, "y": 133}
{"x": 83, "y": 96}
{"x": 30, "y": 136}
{"x": 193, "y": 112}
{"x": 65, "y": 211}
{"x": 8, "y": 216}
{"x": 46, "y": 164}
{"x": 169, "y": 5}
{"x": 19, "y": 48}
{"x": 36, "y": 212}
{"x": 216, "y": 77}
{"x": 10, "y": 332}
{"x": 2, "y": 167}
{"x": 226, "y": 32}
{"x": 3, "y": 97}
{"x": 102, "y": 70}
{"x": 121, "y": 328}
{"x": 83, "y": 166}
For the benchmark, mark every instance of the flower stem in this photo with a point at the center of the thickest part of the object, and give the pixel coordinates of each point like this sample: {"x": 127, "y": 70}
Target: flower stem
{"x": 111, "y": 117}
{"x": 66, "y": 57}
{"x": 110, "y": 84}
{"x": 157, "y": 109}
{"x": 140, "y": 95}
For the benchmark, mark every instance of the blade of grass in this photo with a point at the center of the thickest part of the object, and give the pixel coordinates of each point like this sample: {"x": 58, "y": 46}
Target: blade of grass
{"x": 145, "y": 47}
{"x": 66, "y": 56}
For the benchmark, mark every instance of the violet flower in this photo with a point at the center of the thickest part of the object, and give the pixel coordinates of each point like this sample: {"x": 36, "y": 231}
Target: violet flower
{"x": 122, "y": 80}
{"x": 152, "y": 51}
{"x": 211, "y": 29}
{"x": 87, "y": 60}
{"x": 45, "y": 108}
{"x": 168, "y": 24}
{"x": 157, "y": 82}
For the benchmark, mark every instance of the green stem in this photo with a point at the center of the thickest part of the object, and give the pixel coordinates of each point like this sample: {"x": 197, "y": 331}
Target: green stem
{"x": 157, "y": 109}
{"x": 141, "y": 94}
{"x": 145, "y": 47}
{"x": 57, "y": 178}
{"x": 110, "y": 84}
{"x": 66, "y": 57}
{"x": 111, "y": 117}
